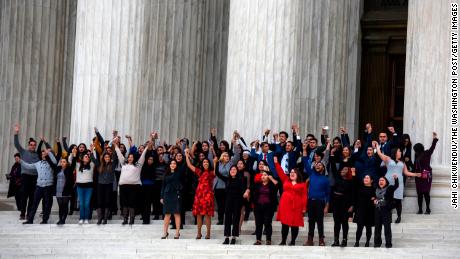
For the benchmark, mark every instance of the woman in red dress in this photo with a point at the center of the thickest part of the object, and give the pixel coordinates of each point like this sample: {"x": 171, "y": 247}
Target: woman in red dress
{"x": 293, "y": 203}
{"x": 203, "y": 204}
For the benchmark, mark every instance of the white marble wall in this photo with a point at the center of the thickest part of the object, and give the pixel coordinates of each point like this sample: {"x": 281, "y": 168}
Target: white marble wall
{"x": 36, "y": 50}
{"x": 426, "y": 99}
{"x": 292, "y": 61}
{"x": 107, "y": 67}
{"x": 183, "y": 67}
{"x": 149, "y": 65}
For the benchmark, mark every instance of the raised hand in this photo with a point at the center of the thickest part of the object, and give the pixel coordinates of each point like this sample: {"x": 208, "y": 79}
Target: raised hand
{"x": 368, "y": 128}
{"x": 435, "y": 135}
{"x": 375, "y": 144}
{"x": 275, "y": 159}
{"x": 16, "y": 128}
{"x": 267, "y": 132}
{"x": 213, "y": 132}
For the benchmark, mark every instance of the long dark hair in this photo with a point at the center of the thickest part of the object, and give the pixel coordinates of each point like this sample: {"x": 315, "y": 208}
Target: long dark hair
{"x": 103, "y": 165}
{"x": 82, "y": 163}
{"x": 419, "y": 150}
{"x": 299, "y": 175}
{"x": 168, "y": 168}
{"x": 201, "y": 164}
{"x": 393, "y": 153}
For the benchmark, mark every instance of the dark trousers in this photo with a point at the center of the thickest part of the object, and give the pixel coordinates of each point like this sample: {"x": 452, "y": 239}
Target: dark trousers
{"x": 45, "y": 194}
{"x": 420, "y": 200}
{"x": 382, "y": 217}
{"x": 73, "y": 200}
{"x": 340, "y": 214}
{"x": 157, "y": 206}
{"x": 63, "y": 203}
{"x": 359, "y": 233}
{"x": 398, "y": 206}
{"x": 232, "y": 216}
{"x": 129, "y": 194}
{"x": 18, "y": 199}
{"x": 264, "y": 217}
{"x": 316, "y": 215}
{"x": 104, "y": 196}
{"x": 29, "y": 182}
{"x": 219, "y": 194}
{"x": 285, "y": 232}
{"x": 148, "y": 198}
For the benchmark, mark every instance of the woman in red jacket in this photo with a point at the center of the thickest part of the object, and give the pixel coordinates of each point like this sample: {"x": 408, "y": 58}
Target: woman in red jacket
{"x": 293, "y": 203}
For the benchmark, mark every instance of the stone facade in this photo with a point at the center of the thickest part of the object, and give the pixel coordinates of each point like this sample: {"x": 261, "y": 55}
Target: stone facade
{"x": 184, "y": 66}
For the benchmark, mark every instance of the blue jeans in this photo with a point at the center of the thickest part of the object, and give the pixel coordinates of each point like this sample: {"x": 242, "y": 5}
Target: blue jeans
{"x": 84, "y": 196}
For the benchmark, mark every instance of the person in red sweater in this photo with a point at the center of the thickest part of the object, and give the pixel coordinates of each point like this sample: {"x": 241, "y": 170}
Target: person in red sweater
{"x": 293, "y": 203}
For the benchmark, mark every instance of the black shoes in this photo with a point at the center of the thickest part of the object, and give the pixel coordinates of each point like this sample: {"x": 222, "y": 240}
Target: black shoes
{"x": 428, "y": 212}
{"x": 398, "y": 220}
{"x": 27, "y": 222}
{"x": 226, "y": 241}
{"x": 344, "y": 243}
{"x": 233, "y": 241}
{"x": 336, "y": 243}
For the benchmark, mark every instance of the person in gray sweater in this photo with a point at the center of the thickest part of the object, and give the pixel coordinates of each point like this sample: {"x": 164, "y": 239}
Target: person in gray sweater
{"x": 45, "y": 183}
{"x": 29, "y": 176}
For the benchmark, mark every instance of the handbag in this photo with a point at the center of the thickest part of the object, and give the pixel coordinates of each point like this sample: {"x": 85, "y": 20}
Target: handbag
{"x": 426, "y": 174}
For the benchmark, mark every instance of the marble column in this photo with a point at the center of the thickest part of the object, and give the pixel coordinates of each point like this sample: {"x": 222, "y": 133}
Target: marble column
{"x": 36, "y": 49}
{"x": 107, "y": 67}
{"x": 292, "y": 61}
{"x": 426, "y": 98}
{"x": 183, "y": 67}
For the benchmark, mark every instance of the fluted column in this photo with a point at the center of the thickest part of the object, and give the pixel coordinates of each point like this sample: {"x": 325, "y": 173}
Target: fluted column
{"x": 36, "y": 49}
{"x": 426, "y": 98}
{"x": 292, "y": 61}
{"x": 184, "y": 66}
{"x": 107, "y": 67}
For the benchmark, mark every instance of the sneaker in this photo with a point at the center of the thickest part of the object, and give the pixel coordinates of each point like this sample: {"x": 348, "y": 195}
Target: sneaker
{"x": 80, "y": 222}
{"x": 86, "y": 221}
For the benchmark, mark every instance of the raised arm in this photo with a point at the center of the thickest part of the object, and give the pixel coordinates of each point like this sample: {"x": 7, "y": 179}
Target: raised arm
{"x": 121, "y": 158}
{"x": 17, "y": 145}
{"x": 141, "y": 160}
{"x": 187, "y": 159}
{"x": 280, "y": 170}
{"x": 382, "y": 156}
{"x": 433, "y": 144}
{"x": 65, "y": 145}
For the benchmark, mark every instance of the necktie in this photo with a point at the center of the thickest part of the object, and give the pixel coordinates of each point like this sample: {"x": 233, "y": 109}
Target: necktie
{"x": 265, "y": 156}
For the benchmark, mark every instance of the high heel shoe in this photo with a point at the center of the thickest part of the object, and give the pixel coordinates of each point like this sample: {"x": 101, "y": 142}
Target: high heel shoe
{"x": 177, "y": 237}
{"x": 199, "y": 236}
{"x": 165, "y": 236}
{"x": 208, "y": 237}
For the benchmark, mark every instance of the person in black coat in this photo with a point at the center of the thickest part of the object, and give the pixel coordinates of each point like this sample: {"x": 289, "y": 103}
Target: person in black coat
{"x": 363, "y": 208}
{"x": 64, "y": 184}
{"x": 235, "y": 191}
{"x": 383, "y": 205}
{"x": 14, "y": 188}
{"x": 265, "y": 202}
{"x": 171, "y": 198}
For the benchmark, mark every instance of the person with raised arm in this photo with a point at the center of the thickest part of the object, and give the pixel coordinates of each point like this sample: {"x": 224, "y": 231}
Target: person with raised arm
{"x": 265, "y": 202}
{"x": 395, "y": 166}
{"x": 383, "y": 196}
{"x": 130, "y": 182}
{"x": 293, "y": 203}
{"x": 203, "y": 205}
{"x": 422, "y": 166}
{"x": 45, "y": 182}
{"x": 28, "y": 176}
{"x": 318, "y": 197}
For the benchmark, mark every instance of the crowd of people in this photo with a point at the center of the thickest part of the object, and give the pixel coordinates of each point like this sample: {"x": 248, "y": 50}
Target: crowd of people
{"x": 277, "y": 174}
